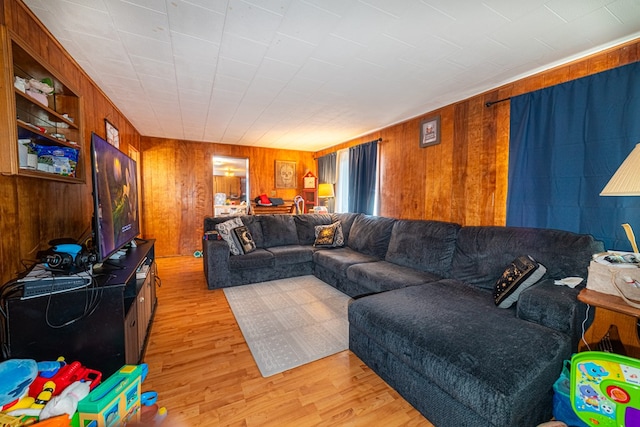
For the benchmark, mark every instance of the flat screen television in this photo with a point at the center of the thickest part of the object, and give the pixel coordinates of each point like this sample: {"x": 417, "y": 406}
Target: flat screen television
{"x": 115, "y": 198}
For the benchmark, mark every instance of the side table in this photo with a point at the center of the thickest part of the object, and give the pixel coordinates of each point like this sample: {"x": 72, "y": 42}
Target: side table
{"x": 611, "y": 310}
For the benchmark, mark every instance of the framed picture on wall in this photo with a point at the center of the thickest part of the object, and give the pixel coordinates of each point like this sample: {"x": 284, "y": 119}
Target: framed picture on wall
{"x": 285, "y": 174}
{"x": 113, "y": 136}
{"x": 430, "y": 131}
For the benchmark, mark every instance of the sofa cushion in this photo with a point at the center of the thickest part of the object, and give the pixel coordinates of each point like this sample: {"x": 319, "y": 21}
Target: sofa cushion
{"x": 427, "y": 246}
{"x": 491, "y": 362}
{"x": 329, "y": 236}
{"x": 243, "y": 239}
{"x": 225, "y": 229}
{"x": 483, "y": 252}
{"x": 278, "y": 230}
{"x": 339, "y": 259}
{"x": 523, "y": 272}
{"x": 306, "y": 224}
{"x": 370, "y": 235}
{"x": 383, "y": 276}
{"x": 260, "y": 258}
{"x": 346, "y": 219}
{"x": 291, "y": 254}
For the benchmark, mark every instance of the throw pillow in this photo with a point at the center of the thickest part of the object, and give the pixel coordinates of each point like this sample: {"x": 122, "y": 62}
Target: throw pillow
{"x": 225, "y": 230}
{"x": 523, "y": 272}
{"x": 329, "y": 236}
{"x": 243, "y": 239}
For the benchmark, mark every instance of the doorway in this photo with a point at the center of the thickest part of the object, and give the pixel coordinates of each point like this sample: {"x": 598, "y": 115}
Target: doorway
{"x": 230, "y": 185}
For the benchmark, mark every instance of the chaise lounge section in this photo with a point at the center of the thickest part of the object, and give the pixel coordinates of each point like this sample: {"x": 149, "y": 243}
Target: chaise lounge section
{"x": 424, "y": 316}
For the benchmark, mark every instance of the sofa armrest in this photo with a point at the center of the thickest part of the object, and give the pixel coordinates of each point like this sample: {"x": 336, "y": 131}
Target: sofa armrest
{"x": 556, "y": 307}
{"x": 215, "y": 254}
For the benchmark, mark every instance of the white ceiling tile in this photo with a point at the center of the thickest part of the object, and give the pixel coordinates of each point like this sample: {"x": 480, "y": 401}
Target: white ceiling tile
{"x": 242, "y": 49}
{"x": 306, "y": 22}
{"x": 147, "y": 48}
{"x": 185, "y": 46}
{"x": 149, "y": 67}
{"x": 255, "y": 23}
{"x": 218, "y": 6}
{"x": 155, "y": 5}
{"x": 139, "y": 20}
{"x": 314, "y": 69}
{"x": 626, "y": 11}
{"x": 336, "y": 50}
{"x": 362, "y": 24}
{"x": 514, "y": 10}
{"x": 235, "y": 69}
{"x": 195, "y": 21}
{"x": 573, "y": 9}
{"x": 279, "y": 7}
{"x": 277, "y": 70}
{"x": 308, "y": 74}
{"x": 289, "y": 50}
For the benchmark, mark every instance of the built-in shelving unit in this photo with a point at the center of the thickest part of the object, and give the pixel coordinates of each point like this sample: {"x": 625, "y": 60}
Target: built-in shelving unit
{"x": 47, "y": 138}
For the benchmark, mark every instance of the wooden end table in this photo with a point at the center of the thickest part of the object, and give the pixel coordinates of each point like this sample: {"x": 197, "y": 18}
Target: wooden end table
{"x": 611, "y": 310}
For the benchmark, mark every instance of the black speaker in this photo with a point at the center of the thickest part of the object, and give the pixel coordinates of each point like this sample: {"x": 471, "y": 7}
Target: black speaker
{"x": 67, "y": 258}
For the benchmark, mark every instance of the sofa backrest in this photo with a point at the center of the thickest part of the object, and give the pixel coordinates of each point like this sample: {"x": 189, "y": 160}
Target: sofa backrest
{"x": 424, "y": 245}
{"x": 370, "y": 235}
{"x": 306, "y": 226}
{"x": 484, "y": 252}
{"x": 346, "y": 221}
{"x": 278, "y": 230}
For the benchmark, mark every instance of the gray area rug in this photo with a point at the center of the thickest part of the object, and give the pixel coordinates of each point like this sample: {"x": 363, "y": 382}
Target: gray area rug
{"x": 290, "y": 322}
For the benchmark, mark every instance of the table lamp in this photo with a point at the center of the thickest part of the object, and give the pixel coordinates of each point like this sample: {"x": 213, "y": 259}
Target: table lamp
{"x": 626, "y": 182}
{"x": 325, "y": 191}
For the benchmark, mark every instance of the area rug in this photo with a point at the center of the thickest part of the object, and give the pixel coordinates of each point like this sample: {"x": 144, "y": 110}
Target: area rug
{"x": 290, "y": 322}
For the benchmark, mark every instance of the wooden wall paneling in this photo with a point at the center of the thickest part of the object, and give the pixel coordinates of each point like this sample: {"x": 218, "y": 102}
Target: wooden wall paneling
{"x": 160, "y": 197}
{"x": 488, "y": 141}
{"x": 391, "y": 172}
{"x": 459, "y": 162}
{"x": 443, "y": 178}
{"x": 196, "y": 188}
{"x": 9, "y": 228}
{"x": 178, "y": 186}
{"x": 502, "y": 121}
{"x": 7, "y": 109}
{"x": 34, "y": 211}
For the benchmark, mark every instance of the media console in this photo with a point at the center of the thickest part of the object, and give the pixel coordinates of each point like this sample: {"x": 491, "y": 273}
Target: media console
{"x": 102, "y": 326}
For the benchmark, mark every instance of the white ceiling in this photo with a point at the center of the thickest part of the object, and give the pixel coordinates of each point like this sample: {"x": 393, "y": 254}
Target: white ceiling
{"x": 309, "y": 74}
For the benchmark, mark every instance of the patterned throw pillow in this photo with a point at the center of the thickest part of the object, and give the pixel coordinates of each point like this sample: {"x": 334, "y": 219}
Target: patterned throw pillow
{"x": 523, "y": 272}
{"x": 225, "y": 230}
{"x": 243, "y": 239}
{"x": 329, "y": 236}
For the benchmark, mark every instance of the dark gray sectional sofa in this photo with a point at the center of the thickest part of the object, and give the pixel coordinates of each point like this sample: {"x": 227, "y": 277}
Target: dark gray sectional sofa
{"x": 423, "y": 315}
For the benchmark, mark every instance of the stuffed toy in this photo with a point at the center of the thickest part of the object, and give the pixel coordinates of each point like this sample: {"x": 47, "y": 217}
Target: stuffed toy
{"x": 15, "y": 377}
{"x": 67, "y": 401}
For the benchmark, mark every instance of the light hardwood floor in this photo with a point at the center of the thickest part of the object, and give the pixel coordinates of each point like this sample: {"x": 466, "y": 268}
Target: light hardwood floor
{"x": 205, "y": 375}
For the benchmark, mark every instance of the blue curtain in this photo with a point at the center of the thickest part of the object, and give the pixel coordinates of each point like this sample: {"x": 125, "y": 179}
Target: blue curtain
{"x": 327, "y": 168}
{"x": 327, "y": 174}
{"x": 566, "y": 142}
{"x": 363, "y": 164}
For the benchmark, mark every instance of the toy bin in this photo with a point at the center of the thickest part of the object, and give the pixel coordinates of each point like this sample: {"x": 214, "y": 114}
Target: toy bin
{"x": 115, "y": 402}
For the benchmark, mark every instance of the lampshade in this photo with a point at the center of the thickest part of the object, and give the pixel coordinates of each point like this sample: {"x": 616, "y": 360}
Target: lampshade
{"x": 626, "y": 180}
{"x": 325, "y": 190}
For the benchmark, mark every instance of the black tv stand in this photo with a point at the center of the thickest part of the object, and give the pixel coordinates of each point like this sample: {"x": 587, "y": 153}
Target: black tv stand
{"x": 113, "y": 334}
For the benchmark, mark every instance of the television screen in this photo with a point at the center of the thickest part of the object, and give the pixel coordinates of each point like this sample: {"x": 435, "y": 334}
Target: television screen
{"x": 115, "y": 196}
